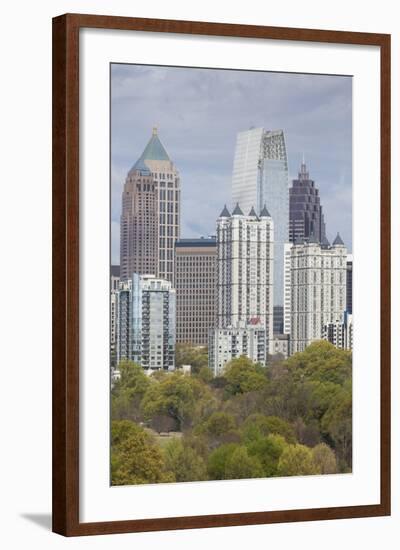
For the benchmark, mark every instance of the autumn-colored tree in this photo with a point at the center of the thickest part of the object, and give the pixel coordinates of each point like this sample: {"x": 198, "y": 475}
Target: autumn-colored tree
{"x": 324, "y": 459}
{"x": 135, "y": 458}
{"x": 296, "y": 460}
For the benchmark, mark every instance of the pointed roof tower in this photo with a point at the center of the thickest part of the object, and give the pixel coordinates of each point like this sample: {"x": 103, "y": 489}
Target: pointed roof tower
{"x": 237, "y": 211}
{"x": 264, "y": 212}
{"x": 252, "y": 213}
{"x": 325, "y": 243}
{"x": 154, "y": 150}
{"x": 338, "y": 241}
{"x": 225, "y": 213}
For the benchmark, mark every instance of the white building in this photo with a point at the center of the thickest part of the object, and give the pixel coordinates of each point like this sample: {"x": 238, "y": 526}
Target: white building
{"x": 287, "y": 294}
{"x": 260, "y": 176}
{"x": 231, "y": 342}
{"x": 245, "y": 268}
{"x": 146, "y": 328}
{"x": 244, "y": 280}
{"x": 317, "y": 290}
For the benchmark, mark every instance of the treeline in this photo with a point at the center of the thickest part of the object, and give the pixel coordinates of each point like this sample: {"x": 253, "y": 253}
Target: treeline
{"x": 291, "y": 418}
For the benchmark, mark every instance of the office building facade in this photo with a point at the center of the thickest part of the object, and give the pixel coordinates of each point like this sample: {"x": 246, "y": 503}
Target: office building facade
{"x": 306, "y": 218}
{"x": 195, "y": 282}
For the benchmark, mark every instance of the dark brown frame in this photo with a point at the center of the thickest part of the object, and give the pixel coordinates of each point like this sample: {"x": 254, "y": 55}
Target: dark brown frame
{"x": 66, "y": 273}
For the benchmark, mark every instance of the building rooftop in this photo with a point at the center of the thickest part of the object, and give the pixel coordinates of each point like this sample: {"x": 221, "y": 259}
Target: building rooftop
{"x": 196, "y": 242}
{"x": 154, "y": 150}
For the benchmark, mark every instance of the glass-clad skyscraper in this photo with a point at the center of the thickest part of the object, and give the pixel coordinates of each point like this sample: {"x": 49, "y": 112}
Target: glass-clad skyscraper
{"x": 260, "y": 177}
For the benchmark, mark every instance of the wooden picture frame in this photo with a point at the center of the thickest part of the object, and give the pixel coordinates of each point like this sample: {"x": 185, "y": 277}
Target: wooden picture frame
{"x": 66, "y": 273}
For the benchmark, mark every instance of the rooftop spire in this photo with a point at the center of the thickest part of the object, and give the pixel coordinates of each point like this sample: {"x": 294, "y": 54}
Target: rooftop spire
{"x": 253, "y": 212}
{"x": 338, "y": 241}
{"x": 225, "y": 213}
{"x": 237, "y": 211}
{"x": 154, "y": 150}
{"x": 303, "y": 174}
{"x": 264, "y": 212}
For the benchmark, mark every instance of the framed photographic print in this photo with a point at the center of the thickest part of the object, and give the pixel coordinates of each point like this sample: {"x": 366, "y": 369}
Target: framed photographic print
{"x": 221, "y": 274}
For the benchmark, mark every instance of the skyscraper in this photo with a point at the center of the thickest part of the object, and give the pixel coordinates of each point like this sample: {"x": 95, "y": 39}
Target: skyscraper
{"x": 306, "y": 217}
{"x": 195, "y": 282}
{"x": 260, "y": 176}
{"x": 146, "y": 328}
{"x": 245, "y": 269}
{"x": 150, "y": 218}
{"x": 317, "y": 290}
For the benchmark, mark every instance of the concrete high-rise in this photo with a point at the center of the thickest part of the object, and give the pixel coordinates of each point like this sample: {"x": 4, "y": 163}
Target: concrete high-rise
{"x": 150, "y": 218}
{"x": 306, "y": 218}
{"x": 260, "y": 176}
{"x": 317, "y": 290}
{"x": 195, "y": 283}
{"x": 146, "y": 322}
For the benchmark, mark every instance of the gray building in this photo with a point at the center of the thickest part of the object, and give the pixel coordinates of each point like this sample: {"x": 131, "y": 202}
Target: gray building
{"x": 260, "y": 176}
{"x": 306, "y": 218}
{"x": 195, "y": 283}
{"x": 146, "y": 322}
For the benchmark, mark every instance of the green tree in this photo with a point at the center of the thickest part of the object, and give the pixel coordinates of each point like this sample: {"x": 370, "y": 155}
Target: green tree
{"x": 135, "y": 458}
{"x": 242, "y": 376}
{"x": 218, "y": 458}
{"x": 259, "y": 424}
{"x": 321, "y": 361}
{"x": 296, "y": 460}
{"x": 337, "y": 425}
{"x": 177, "y": 395}
{"x": 240, "y": 465}
{"x": 128, "y": 392}
{"x": 183, "y": 462}
{"x": 217, "y": 424}
{"x": 324, "y": 459}
{"x": 268, "y": 451}
{"x": 196, "y": 356}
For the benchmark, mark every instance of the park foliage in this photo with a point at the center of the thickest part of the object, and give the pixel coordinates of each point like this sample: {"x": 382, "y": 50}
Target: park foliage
{"x": 290, "y": 418}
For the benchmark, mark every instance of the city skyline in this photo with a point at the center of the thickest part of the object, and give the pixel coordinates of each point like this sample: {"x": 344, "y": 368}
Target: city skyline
{"x": 314, "y": 111}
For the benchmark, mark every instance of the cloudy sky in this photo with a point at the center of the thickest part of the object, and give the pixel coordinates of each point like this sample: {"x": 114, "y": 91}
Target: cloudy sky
{"x": 198, "y": 113}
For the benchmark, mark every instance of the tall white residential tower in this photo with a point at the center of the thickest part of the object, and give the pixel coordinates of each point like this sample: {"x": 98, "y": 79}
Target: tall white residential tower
{"x": 317, "y": 290}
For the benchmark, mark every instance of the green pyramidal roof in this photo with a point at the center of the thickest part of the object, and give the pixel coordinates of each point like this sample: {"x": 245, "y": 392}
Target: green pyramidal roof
{"x": 154, "y": 150}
